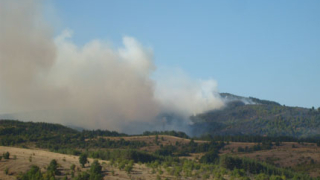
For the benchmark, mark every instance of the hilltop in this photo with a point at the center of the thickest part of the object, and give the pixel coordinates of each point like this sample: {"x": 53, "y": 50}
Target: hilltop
{"x": 252, "y": 116}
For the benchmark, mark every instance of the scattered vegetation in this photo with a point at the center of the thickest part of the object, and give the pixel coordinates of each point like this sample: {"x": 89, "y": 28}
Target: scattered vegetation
{"x": 165, "y": 161}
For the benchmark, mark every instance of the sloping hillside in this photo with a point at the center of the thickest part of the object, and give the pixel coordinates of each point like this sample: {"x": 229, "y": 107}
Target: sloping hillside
{"x": 251, "y": 116}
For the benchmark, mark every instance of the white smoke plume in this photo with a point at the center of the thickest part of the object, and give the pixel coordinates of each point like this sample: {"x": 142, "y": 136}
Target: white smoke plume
{"x": 177, "y": 92}
{"x": 46, "y": 78}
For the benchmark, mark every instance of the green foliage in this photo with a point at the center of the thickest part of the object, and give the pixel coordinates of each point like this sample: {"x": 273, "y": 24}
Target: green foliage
{"x": 128, "y": 168}
{"x": 72, "y": 167}
{"x": 257, "y": 147}
{"x": 53, "y": 167}
{"x": 82, "y": 176}
{"x": 210, "y": 157}
{"x": 6, "y": 155}
{"x": 95, "y": 172}
{"x": 83, "y": 159}
{"x": 95, "y": 168}
{"x": 59, "y": 138}
{"x": 264, "y": 119}
{"x": 135, "y": 155}
{"x": 191, "y": 147}
{"x": 34, "y": 173}
{"x": 255, "y": 167}
{"x": 170, "y": 133}
{"x": 6, "y": 170}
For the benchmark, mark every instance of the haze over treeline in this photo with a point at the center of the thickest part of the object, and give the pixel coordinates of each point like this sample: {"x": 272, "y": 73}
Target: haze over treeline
{"x": 47, "y": 78}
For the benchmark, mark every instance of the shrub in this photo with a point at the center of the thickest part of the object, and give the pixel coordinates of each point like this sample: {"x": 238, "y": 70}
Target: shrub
{"x": 83, "y": 159}
{"x": 128, "y": 168}
{"x": 210, "y": 157}
{"x": 53, "y": 167}
{"x": 33, "y": 173}
{"x": 6, "y": 155}
{"x": 6, "y": 170}
{"x": 95, "y": 168}
{"x": 72, "y": 167}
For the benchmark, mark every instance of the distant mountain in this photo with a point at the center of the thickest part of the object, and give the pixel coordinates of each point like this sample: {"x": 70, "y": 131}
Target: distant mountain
{"x": 252, "y": 116}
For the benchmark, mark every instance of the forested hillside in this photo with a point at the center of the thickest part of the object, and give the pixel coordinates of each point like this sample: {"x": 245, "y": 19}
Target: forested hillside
{"x": 251, "y": 116}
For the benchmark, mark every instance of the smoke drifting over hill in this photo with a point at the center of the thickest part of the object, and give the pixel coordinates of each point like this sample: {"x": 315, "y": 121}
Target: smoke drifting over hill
{"x": 93, "y": 86}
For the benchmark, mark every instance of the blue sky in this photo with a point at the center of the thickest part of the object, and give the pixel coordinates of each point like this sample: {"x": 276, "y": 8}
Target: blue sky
{"x": 264, "y": 49}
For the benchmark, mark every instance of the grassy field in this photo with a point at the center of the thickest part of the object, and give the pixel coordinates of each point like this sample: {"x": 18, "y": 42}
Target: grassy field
{"x": 303, "y": 157}
{"x": 27, "y": 157}
{"x": 300, "y": 157}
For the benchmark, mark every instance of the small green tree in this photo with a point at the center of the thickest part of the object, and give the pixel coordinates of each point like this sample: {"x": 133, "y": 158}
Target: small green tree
{"x": 96, "y": 168}
{"x": 53, "y": 167}
{"x": 156, "y": 139}
{"x": 83, "y": 159}
{"x": 210, "y": 157}
{"x": 6, "y": 170}
{"x": 96, "y": 171}
{"x": 33, "y": 173}
{"x": 72, "y": 167}
{"x": 6, "y": 155}
{"x": 83, "y": 176}
{"x": 122, "y": 165}
{"x": 128, "y": 168}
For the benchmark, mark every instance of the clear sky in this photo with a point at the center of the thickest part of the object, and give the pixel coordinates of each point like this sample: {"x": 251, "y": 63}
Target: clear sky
{"x": 265, "y": 49}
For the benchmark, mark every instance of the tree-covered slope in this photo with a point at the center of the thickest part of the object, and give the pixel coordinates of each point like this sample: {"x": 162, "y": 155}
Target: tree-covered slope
{"x": 36, "y": 129}
{"x": 251, "y": 116}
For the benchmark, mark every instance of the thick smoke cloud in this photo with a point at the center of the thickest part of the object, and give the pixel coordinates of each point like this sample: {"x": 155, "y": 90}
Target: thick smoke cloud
{"x": 178, "y": 93}
{"x": 46, "y": 78}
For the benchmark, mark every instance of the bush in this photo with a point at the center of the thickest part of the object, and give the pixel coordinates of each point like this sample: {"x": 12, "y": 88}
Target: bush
{"x": 210, "y": 157}
{"x": 128, "y": 168}
{"x": 6, "y": 170}
{"x": 33, "y": 173}
{"x": 53, "y": 167}
{"x": 72, "y": 167}
{"x": 6, "y": 155}
{"x": 95, "y": 168}
{"x": 83, "y": 159}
